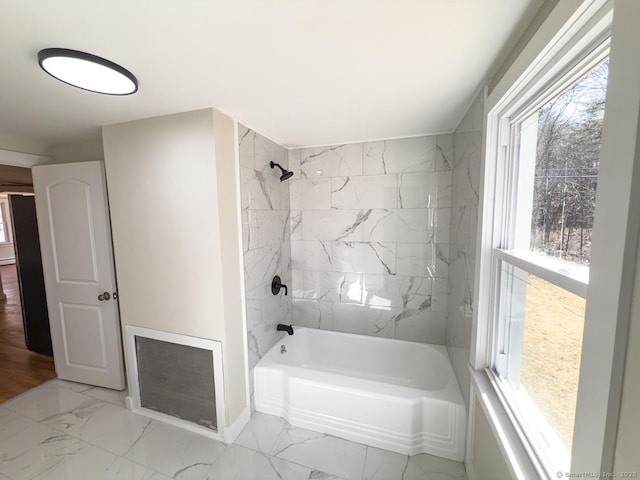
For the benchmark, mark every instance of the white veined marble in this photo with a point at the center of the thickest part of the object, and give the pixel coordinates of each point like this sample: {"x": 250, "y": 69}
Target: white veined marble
{"x": 311, "y": 255}
{"x": 424, "y": 190}
{"x": 310, "y": 193}
{"x": 361, "y": 257}
{"x": 332, "y": 161}
{"x": 465, "y": 183}
{"x": 85, "y": 443}
{"x": 364, "y": 192}
{"x": 322, "y": 452}
{"x": 423, "y": 259}
{"x": 418, "y": 225}
{"x": 417, "y": 154}
{"x": 334, "y": 225}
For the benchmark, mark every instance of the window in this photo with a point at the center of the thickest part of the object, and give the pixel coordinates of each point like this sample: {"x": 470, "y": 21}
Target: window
{"x": 541, "y": 260}
{"x": 4, "y": 235}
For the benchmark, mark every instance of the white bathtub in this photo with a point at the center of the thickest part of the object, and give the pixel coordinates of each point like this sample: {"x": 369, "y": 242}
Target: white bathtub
{"x": 396, "y": 395}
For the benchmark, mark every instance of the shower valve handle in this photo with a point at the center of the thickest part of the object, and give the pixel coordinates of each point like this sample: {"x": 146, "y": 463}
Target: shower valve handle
{"x": 276, "y": 285}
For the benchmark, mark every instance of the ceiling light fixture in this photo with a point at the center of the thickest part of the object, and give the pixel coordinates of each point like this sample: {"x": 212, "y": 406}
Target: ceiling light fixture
{"x": 88, "y": 72}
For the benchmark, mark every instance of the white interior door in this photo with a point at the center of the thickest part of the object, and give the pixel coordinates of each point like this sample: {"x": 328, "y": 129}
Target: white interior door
{"x": 77, "y": 258}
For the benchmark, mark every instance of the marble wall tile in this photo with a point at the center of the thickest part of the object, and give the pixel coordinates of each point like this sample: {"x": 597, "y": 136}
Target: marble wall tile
{"x": 405, "y": 155}
{"x": 260, "y": 265}
{"x": 332, "y": 161}
{"x": 464, "y": 227}
{"x": 334, "y": 225}
{"x": 293, "y": 159}
{"x": 466, "y": 174}
{"x": 366, "y": 261}
{"x": 402, "y": 226}
{"x": 246, "y": 139}
{"x": 439, "y": 292}
{"x": 312, "y": 255}
{"x": 396, "y": 291}
{"x": 370, "y": 191}
{"x": 361, "y": 257}
{"x": 424, "y": 190}
{"x": 363, "y": 320}
{"x": 421, "y": 326}
{"x": 320, "y": 285}
{"x": 423, "y": 259}
{"x": 465, "y": 181}
{"x": 310, "y": 193}
{"x": 295, "y": 225}
{"x": 267, "y": 230}
{"x": 440, "y": 225}
{"x": 445, "y": 152}
{"x": 313, "y": 313}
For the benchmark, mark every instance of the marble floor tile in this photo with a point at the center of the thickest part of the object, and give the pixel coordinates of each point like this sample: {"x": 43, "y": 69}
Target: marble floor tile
{"x": 261, "y": 433}
{"x": 241, "y": 463}
{"x": 173, "y": 451}
{"x": 321, "y": 452}
{"x": 102, "y": 424}
{"x": 45, "y": 401}
{"x": 58, "y": 431}
{"x": 123, "y": 469}
{"x": 438, "y": 468}
{"x": 88, "y": 462}
{"x": 73, "y": 386}
{"x": 384, "y": 465}
{"x": 11, "y": 423}
{"x": 112, "y": 396}
{"x": 36, "y": 450}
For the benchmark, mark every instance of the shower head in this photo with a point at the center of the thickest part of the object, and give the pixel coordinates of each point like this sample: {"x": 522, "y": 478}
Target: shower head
{"x": 286, "y": 174}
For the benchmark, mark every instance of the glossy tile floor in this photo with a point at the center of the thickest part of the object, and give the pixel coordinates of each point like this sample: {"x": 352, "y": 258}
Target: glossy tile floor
{"x": 67, "y": 431}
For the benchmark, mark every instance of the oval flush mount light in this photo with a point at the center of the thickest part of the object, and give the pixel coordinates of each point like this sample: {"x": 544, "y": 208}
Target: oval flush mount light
{"x": 88, "y": 72}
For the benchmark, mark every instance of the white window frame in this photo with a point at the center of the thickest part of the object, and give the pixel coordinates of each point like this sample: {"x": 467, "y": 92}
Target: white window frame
{"x": 4, "y": 210}
{"x": 614, "y": 238}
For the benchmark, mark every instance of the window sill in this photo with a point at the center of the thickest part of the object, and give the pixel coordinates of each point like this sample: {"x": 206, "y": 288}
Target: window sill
{"x": 561, "y": 273}
{"x": 522, "y": 464}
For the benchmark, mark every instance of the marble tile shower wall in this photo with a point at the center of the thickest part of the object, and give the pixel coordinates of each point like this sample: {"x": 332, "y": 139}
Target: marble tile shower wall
{"x": 467, "y": 141}
{"x": 266, "y": 247}
{"x": 370, "y": 229}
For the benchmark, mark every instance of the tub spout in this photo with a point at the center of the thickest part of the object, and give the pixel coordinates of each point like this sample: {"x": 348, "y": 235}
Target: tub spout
{"x": 285, "y": 328}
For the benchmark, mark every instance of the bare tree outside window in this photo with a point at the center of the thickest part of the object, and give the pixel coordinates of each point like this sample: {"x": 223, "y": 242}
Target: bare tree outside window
{"x": 566, "y": 172}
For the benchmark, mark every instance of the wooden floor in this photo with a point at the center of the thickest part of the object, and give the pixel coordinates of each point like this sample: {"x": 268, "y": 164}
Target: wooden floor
{"x": 20, "y": 369}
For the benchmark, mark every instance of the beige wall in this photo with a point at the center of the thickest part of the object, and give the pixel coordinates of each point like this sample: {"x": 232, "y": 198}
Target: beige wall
{"x": 227, "y": 169}
{"x": 161, "y": 179}
{"x": 77, "y": 152}
{"x": 172, "y": 184}
{"x": 488, "y": 462}
{"x": 628, "y": 441}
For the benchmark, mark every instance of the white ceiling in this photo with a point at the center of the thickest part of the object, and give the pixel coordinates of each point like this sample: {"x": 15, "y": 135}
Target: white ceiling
{"x": 303, "y": 72}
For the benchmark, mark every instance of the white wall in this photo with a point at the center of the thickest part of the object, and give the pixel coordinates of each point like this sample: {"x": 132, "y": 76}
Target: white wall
{"x": 168, "y": 207}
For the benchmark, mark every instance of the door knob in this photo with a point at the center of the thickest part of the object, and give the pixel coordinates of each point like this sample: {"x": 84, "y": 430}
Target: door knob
{"x": 104, "y": 296}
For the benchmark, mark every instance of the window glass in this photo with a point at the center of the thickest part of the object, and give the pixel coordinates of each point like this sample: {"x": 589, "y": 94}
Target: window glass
{"x": 539, "y": 350}
{"x": 3, "y": 225}
{"x": 538, "y": 340}
{"x": 566, "y": 168}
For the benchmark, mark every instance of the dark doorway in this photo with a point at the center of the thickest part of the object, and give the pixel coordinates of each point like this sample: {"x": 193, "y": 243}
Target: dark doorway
{"x": 33, "y": 296}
